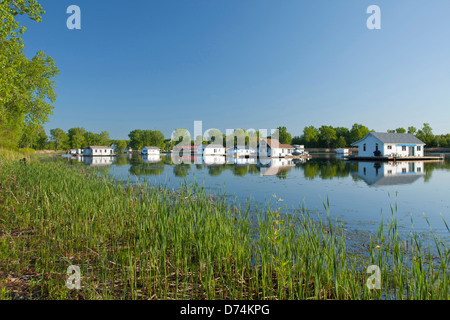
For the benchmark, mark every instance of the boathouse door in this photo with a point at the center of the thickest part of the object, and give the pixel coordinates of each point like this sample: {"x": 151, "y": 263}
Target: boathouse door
{"x": 411, "y": 151}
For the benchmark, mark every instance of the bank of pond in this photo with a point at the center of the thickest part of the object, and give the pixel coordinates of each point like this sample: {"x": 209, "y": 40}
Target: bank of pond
{"x": 140, "y": 241}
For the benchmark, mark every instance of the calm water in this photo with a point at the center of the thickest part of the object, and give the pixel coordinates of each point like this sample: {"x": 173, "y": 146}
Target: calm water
{"x": 358, "y": 192}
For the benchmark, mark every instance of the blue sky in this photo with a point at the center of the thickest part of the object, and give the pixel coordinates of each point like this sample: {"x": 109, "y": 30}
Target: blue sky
{"x": 160, "y": 65}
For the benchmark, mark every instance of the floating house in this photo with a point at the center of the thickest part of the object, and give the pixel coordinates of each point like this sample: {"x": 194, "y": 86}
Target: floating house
{"x": 151, "y": 151}
{"x": 98, "y": 151}
{"x": 274, "y": 149}
{"x": 381, "y": 144}
{"x": 211, "y": 150}
{"x": 242, "y": 152}
{"x": 389, "y": 173}
{"x": 185, "y": 150}
{"x": 342, "y": 151}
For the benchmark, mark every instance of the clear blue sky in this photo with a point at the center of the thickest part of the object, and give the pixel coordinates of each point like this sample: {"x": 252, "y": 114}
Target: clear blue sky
{"x": 148, "y": 64}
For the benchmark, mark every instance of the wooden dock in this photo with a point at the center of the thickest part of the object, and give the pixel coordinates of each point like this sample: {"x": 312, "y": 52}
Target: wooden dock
{"x": 395, "y": 159}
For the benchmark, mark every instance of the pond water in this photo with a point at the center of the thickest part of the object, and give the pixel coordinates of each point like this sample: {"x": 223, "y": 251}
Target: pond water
{"x": 359, "y": 193}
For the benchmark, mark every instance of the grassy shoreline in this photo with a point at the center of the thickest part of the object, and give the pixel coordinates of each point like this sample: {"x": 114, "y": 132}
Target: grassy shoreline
{"x": 154, "y": 243}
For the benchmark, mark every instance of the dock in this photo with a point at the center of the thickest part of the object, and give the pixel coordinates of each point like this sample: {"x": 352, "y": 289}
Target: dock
{"x": 395, "y": 159}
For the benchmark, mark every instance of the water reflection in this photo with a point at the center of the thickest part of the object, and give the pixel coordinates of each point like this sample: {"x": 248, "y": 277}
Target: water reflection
{"x": 372, "y": 173}
{"x": 389, "y": 173}
{"x": 96, "y": 161}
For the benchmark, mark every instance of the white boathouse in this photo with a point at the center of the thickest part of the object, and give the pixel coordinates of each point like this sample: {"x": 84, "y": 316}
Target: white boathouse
{"x": 381, "y": 144}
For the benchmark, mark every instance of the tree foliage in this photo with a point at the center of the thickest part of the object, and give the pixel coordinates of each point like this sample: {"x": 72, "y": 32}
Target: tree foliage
{"x": 27, "y": 87}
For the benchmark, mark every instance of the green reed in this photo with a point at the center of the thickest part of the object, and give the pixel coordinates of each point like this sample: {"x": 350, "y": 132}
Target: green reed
{"x": 152, "y": 242}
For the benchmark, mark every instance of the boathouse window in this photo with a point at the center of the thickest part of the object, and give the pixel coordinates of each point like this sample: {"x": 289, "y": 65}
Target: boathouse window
{"x": 419, "y": 148}
{"x": 389, "y": 147}
{"x": 404, "y": 148}
{"x": 376, "y": 147}
{"x": 389, "y": 172}
{"x": 364, "y": 147}
{"x": 419, "y": 169}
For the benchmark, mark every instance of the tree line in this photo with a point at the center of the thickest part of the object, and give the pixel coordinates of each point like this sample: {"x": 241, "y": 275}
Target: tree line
{"x": 341, "y": 137}
{"x": 312, "y": 137}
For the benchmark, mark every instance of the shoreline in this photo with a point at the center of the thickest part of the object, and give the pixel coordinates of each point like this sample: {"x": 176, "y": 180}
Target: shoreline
{"x": 182, "y": 247}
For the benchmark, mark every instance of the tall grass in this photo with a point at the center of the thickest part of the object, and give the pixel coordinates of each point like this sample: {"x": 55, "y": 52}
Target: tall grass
{"x": 150, "y": 242}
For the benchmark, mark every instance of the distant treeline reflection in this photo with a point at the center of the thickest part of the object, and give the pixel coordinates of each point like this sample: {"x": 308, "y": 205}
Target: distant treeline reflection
{"x": 323, "y": 168}
{"x": 314, "y": 168}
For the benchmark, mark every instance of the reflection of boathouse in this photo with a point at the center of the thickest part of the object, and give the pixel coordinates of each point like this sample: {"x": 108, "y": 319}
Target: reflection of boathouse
{"x": 97, "y": 161}
{"x": 151, "y": 158}
{"x": 213, "y": 160}
{"x": 273, "y": 166}
{"x": 241, "y": 161}
{"x": 389, "y": 173}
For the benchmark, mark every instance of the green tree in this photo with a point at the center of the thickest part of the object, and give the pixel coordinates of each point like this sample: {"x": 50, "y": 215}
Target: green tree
{"x": 27, "y": 87}
{"x": 327, "y": 135}
{"x": 426, "y": 135}
{"x": 310, "y": 136}
{"x": 60, "y": 139}
{"x": 400, "y": 130}
{"x": 412, "y": 130}
{"x": 341, "y": 143}
{"x": 121, "y": 145}
{"x": 283, "y": 136}
{"x": 358, "y": 132}
{"x": 77, "y": 139}
{"x": 33, "y": 136}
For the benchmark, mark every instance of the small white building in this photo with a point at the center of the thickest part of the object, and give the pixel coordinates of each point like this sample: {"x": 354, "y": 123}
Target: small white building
{"x": 273, "y": 148}
{"x": 342, "y": 151}
{"x": 242, "y": 152}
{"x": 155, "y": 151}
{"x": 98, "y": 151}
{"x": 381, "y": 144}
{"x": 211, "y": 150}
{"x": 113, "y": 146}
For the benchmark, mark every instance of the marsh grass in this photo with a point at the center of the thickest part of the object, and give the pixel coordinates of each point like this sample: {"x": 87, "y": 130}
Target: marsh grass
{"x": 151, "y": 242}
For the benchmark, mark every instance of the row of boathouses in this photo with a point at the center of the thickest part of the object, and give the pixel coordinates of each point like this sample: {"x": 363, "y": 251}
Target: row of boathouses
{"x": 375, "y": 145}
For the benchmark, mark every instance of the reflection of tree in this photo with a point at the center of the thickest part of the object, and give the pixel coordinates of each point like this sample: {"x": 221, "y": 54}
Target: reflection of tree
{"x": 327, "y": 169}
{"x": 429, "y": 167}
{"x": 121, "y": 160}
{"x": 282, "y": 174}
{"x": 147, "y": 169}
{"x": 216, "y": 170}
{"x": 181, "y": 170}
{"x": 252, "y": 169}
{"x": 135, "y": 160}
{"x": 240, "y": 171}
